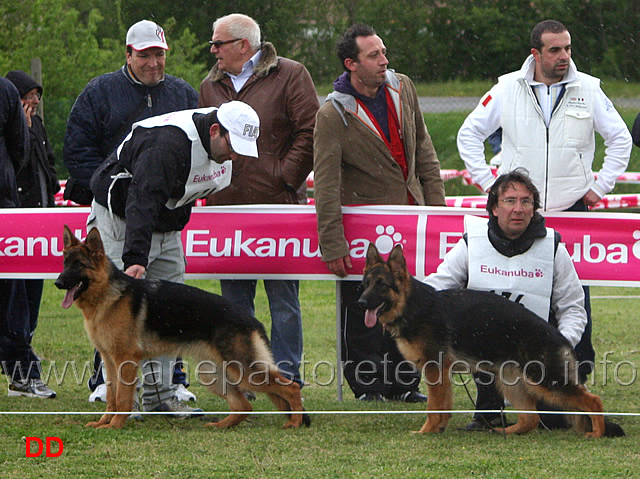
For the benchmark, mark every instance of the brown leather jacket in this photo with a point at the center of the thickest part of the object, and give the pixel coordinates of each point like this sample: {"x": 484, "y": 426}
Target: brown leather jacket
{"x": 282, "y": 93}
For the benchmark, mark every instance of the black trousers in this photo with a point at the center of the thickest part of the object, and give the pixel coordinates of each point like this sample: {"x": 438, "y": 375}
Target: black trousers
{"x": 372, "y": 362}
{"x": 19, "y": 309}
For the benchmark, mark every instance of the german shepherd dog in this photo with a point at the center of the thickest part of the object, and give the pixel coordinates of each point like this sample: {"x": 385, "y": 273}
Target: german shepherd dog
{"x": 131, "y": 319}
{"x": 529, "y": 359}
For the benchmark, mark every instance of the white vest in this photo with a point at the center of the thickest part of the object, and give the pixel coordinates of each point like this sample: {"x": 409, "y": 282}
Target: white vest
{"x": 205, "y": 176}
{"x": 559, "y": 160}
{"x": 526, "y": 278}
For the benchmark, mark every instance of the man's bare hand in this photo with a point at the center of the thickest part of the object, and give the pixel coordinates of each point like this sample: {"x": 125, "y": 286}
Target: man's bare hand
{"x": 590, "y": 199}
{"x": 135, "y": 271}
{"x": 339, "y": 266}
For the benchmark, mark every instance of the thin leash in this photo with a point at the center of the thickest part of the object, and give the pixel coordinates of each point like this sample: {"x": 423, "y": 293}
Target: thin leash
{"x": 502, "y": 413}
{"x": 481, "y": 416}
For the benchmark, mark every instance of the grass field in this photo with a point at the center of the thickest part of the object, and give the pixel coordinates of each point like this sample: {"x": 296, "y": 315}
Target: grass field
{"x": 336, "y": 445}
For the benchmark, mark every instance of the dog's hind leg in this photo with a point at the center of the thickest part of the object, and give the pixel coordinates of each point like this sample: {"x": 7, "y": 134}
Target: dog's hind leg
{"x": 583, "y": 400}
{"x": 521, "y": 400}
{"x": 237, "y": 403}
{"x": 285, "y": 394}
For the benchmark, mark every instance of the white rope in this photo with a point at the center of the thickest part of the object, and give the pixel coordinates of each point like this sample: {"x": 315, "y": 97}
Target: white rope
{"x": 337, "y": 413}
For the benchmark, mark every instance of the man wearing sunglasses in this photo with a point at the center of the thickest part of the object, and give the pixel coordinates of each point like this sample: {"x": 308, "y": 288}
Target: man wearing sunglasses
{"x": 282, "y": 93}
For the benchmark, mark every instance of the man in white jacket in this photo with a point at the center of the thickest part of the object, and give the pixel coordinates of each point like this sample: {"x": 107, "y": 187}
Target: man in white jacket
{"x": 515, "y": 255}
{"x": 548, "y": 112}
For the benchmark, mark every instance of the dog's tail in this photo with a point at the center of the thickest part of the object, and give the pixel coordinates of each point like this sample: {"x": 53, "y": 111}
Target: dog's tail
{"x": 583, "y": 424}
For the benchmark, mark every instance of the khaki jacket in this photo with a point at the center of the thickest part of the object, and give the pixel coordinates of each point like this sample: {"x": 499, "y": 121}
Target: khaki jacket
{"x": 353, "y": 166}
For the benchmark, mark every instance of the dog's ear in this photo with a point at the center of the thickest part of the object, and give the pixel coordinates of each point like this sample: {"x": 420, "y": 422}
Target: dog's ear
{"x": 397, "y": 263}
{"x": 373, "y": 256}
{"x": 68, "y": 239}
{"x": 94, "y": 243}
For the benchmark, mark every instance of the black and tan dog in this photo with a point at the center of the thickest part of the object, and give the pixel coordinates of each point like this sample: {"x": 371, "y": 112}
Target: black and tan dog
{"x": 529, "y": 359}
{"x": 132, "y": 319}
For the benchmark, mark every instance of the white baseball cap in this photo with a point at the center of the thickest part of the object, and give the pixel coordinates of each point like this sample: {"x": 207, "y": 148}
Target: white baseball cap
{"x": 146, "y": 34}
{"x": 244, "y": 127}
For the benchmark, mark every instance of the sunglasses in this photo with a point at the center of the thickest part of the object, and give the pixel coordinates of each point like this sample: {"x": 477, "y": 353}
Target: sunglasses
{"x": 219, "y": 43}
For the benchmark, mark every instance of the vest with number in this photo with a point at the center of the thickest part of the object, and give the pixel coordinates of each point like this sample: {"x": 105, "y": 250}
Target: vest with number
{"x": 526, "y": 278}
{"x": 205, "y": 176}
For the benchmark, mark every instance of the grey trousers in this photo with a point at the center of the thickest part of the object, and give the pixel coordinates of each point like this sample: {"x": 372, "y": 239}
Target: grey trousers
{"x": 166, "y": 261}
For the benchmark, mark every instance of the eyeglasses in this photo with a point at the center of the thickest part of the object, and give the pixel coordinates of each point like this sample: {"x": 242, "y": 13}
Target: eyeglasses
{"x": 219, "y": 43}
{"x": 511, "y": 202}
{"x": 33, "y": 96}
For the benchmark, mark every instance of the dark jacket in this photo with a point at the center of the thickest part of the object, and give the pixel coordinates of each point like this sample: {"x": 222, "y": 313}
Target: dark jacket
{"x": 635, "y": 131}
{"x": 37, "y": 181}
{"x": 159, "y": 161}
{"x": 14, "y": 142}
{"x": 102, "y": 116}
{"x": 282, "y": 93}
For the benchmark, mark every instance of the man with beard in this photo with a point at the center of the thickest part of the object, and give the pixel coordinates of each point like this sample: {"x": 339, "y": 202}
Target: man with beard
{"x": 548, "y": 112}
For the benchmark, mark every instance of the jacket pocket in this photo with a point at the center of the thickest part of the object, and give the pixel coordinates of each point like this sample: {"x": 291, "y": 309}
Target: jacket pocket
{"x": 578, "y": 127}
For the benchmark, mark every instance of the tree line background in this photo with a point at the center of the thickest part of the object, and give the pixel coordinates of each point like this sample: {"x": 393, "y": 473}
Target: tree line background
{"x": 430, "y": 40}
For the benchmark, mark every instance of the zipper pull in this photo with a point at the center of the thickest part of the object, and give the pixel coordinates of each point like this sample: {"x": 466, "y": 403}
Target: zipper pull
{"x": 149, "y": 103}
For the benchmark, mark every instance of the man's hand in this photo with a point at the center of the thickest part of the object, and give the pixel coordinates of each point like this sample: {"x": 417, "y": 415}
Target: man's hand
{"x": 339, "y": 266}
{"x": 590, "y": 199}
{"x": 135, "y": 271}
{"x": 28, "y": 112}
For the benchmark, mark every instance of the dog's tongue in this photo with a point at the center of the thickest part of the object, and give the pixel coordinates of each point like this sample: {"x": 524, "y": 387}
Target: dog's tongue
{"x": 371, "y": 317}
{"x": 68, "y": 297}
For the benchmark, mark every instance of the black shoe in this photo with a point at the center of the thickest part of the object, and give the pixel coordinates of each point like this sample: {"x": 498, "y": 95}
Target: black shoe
{"x": 485, "y": 424}
{"x": 409, "y": 396}
{"x": 371, "y": 397}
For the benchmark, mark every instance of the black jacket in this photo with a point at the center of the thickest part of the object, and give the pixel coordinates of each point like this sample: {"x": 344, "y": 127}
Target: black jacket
{"x": 38, "y": 179}
{"x": 14, "y": 142}
{"x": 159, "y": 160}
{"x": 102, "y": 116}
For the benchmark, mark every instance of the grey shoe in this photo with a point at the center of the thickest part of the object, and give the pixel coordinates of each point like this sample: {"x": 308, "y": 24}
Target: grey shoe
{"x": 33, "y": 388}
{"x": 178, "y": 409}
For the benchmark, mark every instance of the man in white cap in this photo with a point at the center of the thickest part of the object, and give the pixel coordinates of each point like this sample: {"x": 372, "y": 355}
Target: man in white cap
{"x": 144, "y": 193}
{"x": 102, "y": 116}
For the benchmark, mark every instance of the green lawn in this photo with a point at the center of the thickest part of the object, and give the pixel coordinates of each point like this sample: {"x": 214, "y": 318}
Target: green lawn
{"x": 336, "y": 445}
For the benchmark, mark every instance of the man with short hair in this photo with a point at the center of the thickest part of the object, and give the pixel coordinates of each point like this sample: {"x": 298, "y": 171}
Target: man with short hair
{"x": 102, "y": 116}
{"x": 548, "y": 112}
{"x": 515, "y": 238}
{"x": 371, "y": 146}
{"x": 144, "y": 193}
{"x": 283, "y": 94}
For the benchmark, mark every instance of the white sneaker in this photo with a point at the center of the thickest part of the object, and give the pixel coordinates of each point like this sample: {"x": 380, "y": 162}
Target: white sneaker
{"x": 183, "y": 394}
{"x": 99, "y": 394}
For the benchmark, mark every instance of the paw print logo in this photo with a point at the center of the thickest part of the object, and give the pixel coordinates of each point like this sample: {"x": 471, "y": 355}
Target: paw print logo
{"x": 538, "y": 273}
{"x": 636, "y": 246}
{"x": 387, "y": 238}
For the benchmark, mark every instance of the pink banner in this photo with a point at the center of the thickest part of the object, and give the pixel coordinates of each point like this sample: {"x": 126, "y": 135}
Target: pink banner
{"x": 265, "y": 241}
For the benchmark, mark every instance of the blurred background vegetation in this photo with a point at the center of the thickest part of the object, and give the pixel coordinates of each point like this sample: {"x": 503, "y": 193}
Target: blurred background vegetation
{"x": 450, "y": 47}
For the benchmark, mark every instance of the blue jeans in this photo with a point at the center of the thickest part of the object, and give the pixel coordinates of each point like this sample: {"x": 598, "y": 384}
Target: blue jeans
{"x": 286, "y": 318}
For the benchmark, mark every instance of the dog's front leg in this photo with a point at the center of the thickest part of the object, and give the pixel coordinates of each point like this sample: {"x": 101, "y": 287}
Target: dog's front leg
{"x": 440, "y": 398}
{"x": 110, "y": 373}
{"x": 125, "y": 389}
